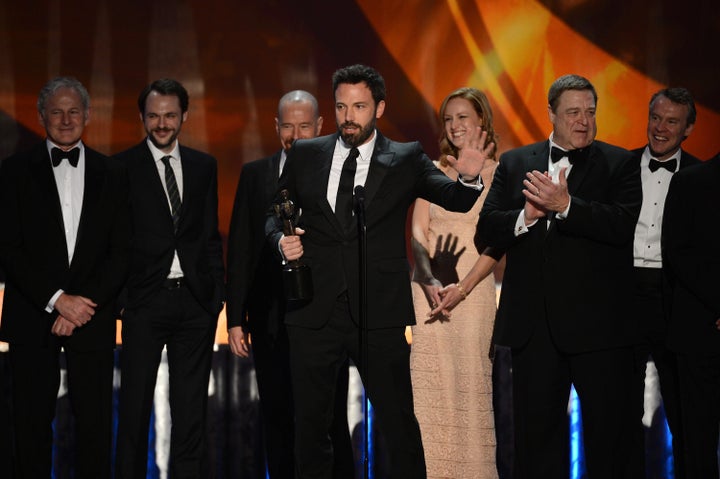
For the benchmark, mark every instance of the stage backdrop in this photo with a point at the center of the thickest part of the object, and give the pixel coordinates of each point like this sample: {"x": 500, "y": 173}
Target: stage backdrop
{"x": 238, "y": 58}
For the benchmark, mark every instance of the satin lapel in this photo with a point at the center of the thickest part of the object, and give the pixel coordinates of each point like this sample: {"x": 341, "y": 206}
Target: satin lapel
{"x": 381, "y": 161}
{"x": 539, "y": 159}
{"x": 42, "y": 170}
{"x": 580, "y": 170}
{"x": 94, "y": 183}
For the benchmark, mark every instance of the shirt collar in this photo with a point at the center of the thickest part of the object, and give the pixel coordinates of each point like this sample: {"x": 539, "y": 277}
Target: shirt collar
{"x": 283, "y": 158}
{"x": 366, "y": 149}
{"x": 158, "y": 154}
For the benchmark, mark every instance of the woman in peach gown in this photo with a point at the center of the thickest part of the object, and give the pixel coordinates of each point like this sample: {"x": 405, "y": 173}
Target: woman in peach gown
{"x": 454, "y": 296}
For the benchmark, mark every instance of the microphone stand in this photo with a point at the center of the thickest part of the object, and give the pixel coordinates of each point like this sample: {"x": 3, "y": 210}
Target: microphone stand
{"x": 362, "y": 337}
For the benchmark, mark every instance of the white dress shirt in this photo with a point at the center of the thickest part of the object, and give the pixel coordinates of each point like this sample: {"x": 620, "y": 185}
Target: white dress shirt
{"x": 70, "y": 183}
{"x": 175, "y": 269}
{"x": 646, "y": 247}
{"x": 361, "y": 172}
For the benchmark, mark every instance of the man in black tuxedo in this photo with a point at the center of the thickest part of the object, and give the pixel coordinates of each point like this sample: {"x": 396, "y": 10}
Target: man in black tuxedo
{"x": 64, "y": 246}
{"x": 256, "y": 302}
{"x": 320, "y": 175}
{"x": 565, "y": 211}
{"x": 690, "y": 232}
{"x": 175, "y": 289}
{"x": 671, "y": 119}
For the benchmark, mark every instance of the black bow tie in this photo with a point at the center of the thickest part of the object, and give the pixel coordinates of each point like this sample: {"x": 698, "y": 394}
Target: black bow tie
{"x": 573, "y": 155}
{"x": 669, "y": 165}
{"x": 58, "y": 155}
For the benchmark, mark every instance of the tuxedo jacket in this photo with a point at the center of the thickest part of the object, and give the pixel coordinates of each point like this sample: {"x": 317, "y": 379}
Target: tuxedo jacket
{"x": 33, "y": 249}
{"x": 154, "y": 240}
{"x": 576, "y": 274}
{"x": 399, "y": 173}
{"x": 254, "y": 286}
{"x": 690, "y": 232}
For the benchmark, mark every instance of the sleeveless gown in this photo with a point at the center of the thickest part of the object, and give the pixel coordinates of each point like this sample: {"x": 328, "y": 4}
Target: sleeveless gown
{"x": 451, "y": 370}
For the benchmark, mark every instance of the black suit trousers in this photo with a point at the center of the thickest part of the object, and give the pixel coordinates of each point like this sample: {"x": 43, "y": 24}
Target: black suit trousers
{"x": 271, "y": 356}
{"x": 173, "y": 318}
{"x": 700, "y": 398}
{"x": 542, "y": 376}
{"x": 35, "y": 375}
{"x": 650, "y": 316}
{"x": 316, "y": 355}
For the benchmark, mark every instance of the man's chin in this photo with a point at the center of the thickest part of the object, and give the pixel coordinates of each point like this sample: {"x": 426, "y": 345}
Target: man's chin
{"x": 65, "y": 143}
{"x": 350, "y": 140}
{"x": 161, "y": 145}
{"x": 660, "y": 153}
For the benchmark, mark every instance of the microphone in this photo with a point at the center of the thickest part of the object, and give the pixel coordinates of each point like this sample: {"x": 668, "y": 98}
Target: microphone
{"x": 360, "y": 204}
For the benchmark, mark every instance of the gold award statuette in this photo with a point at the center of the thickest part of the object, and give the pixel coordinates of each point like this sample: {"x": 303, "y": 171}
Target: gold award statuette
{"x": 297, "y": 277}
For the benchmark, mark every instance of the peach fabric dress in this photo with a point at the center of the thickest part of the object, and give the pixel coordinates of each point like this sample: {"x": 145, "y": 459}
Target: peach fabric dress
{"x": 451, "y": 370}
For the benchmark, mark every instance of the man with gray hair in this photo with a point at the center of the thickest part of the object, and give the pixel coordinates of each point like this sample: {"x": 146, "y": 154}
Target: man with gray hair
{"x": 256, "y": 304}
{"x": 64, "y": 248}
{"x": 565, "y": 211}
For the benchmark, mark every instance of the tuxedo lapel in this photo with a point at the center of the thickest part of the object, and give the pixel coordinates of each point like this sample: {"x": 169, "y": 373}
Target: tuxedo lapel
{"x": 539, "y": 159}
{"x": 94, "y": 183}
{"x": 580, "y": 170}
{"x": 686, "y": 159}
{"x": 42, "y": 170}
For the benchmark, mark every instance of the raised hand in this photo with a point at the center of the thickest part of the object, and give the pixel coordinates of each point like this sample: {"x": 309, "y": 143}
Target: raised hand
{"x": 471, "y": 158}
{"x": 545, "y": 195}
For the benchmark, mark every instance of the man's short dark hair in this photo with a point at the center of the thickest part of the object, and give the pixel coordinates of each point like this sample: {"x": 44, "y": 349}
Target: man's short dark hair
{"x": 565, "y": 83}
{"x": 165, "y": 86}
{"x": 355, "y": 74}
{"x": 681, "y": 96}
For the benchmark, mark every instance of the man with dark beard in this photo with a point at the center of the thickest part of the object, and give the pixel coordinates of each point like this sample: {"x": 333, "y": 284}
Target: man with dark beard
{"x": 256, "y": 305}
{"x": 320, "y": 176}
{"x": 176, "y": 285}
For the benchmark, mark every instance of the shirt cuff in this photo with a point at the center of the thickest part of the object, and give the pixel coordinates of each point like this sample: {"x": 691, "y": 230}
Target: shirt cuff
{"x": 477, "y": 184}
{"x": 520, "y": 226}
{"x": 282, "y": 255}
{"x": 561, "y": 215}
{"x": 51, "y": 304}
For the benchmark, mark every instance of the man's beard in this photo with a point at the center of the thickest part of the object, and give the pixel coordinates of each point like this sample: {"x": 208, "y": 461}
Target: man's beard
{"x": 167, "y": 143}
{"x": 357, "y": 139}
